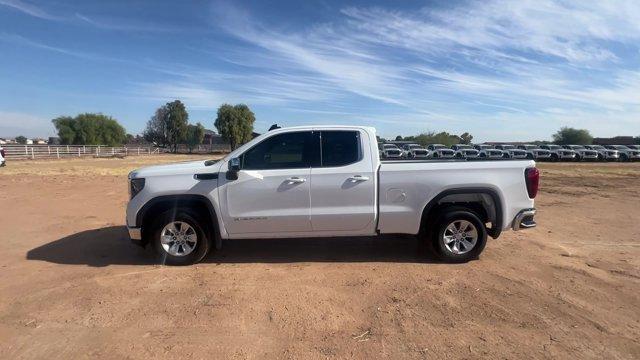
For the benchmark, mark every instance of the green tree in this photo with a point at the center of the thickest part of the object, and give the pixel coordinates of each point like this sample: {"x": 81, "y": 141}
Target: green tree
{"x": 571, "y": 136}
{"x": 399, "y": 138}
{"x": 195, "y": 135}
{"x": 177, "y": 121}
{"x": 156, "y": 130}
{"x": 89, "y": 129}
{"x": 466, "y": 138}
{"x": 21, "y": 139}
{"x": 434, "y": 138}
{"x": 65, "y": 125}
{"x": 235, "y": 124}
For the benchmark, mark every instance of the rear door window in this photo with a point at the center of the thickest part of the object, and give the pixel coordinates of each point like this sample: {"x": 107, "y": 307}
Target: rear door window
{"x": 340, "y": 148}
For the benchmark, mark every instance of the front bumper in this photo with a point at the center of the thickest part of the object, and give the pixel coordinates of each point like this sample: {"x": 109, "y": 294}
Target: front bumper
{"x": 566, "y": 156}
{"x": 524, "y": 220}
{"x": 393, "y": 156}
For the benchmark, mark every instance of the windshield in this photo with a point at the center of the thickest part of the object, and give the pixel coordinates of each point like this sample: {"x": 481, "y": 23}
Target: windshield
{"x": 597, "y": 147}
{"x": 553, "y": 147}
{"x": 508, "y": 147}
{"x": 439, "y": 147}
{"x": 484, "y": 146}
{"x": 415, "y": 147}
{"x": 464, "y": 146}
{"x": 576, "y": 147}
{"x": 620, "y": 147}
{"x": 390, "y": 146}
{"x": 634, "y": 147}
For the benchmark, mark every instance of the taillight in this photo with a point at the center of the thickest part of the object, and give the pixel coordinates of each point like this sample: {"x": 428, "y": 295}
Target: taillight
{"x": 532, "y": 178}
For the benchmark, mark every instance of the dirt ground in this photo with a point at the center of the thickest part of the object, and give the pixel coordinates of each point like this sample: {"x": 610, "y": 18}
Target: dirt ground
{"x": 72, "y": 286}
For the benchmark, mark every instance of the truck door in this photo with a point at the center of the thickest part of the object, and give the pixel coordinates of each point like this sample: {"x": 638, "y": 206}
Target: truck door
{"x": 343, "y": 192}
{"x": 272, "y": 191}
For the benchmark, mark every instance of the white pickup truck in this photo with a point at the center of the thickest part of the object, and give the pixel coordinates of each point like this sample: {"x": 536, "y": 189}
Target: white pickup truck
{"x": 325, "y": 181}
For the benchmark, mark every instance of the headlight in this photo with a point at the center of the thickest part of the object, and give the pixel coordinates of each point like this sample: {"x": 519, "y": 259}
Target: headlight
{"x": 135, "y": 186}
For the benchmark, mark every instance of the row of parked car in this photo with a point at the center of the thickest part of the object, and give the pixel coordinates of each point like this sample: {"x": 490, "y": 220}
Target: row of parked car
{"x": 508, "y": 151}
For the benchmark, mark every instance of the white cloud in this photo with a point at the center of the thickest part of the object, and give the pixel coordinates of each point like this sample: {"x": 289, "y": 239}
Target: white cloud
{"x": 29, "y": 9}
{"x": 477, "y": 64}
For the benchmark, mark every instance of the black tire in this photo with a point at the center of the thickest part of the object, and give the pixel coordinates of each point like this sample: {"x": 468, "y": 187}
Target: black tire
{"x": 624, "y": 158}
{"x": 554, "y": 158}
{"x": 451, "y": 215}
{"x": 203, "y": 243}
{"x": 530, "y": 157}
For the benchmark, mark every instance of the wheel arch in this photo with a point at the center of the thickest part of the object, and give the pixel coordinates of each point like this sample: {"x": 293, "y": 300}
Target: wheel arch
{"x": 487, "y": 201}
{"x": 200, "y": 203}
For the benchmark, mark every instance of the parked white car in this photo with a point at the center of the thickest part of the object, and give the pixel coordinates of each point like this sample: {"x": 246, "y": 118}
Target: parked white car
{"x": 390, "y": 151}
{"x": 582, "y": 153}
{"x": 604, "y": 154}
{"x": 2, "y": 154}
{"x": 415, "y": 151}
{"x": 439, "y": 151}
{"x": 558, "y": 153}
{"x": 318, "y": 181}
{"x": 626, "y": 152}
{"x": 465, "y": 151}
{"x": 512, "y": 152}
{"x": 489, "y": 152}
{"x": 534, "y": 152}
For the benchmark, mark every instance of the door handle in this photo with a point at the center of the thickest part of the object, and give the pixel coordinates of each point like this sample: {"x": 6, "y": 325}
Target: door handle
{"x": 296, "y": 180}
{"x": 357, "y": 178}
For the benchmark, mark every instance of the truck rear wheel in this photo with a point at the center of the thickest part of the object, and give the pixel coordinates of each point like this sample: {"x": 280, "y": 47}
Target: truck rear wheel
{"x": 459, "y": 236}
{"x": 179, "y": 237}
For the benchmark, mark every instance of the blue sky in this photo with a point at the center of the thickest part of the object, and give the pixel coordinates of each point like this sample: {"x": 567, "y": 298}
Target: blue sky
{"x": 502, "y": 70}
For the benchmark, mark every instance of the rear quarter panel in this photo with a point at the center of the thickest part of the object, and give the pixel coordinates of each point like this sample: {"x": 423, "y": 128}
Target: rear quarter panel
{"x": 407, "y": 187}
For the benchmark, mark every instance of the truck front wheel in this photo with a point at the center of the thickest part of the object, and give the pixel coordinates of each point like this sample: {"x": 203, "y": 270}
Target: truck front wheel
{"x": 459, "y": 236}
{"x": 179, "y": 238}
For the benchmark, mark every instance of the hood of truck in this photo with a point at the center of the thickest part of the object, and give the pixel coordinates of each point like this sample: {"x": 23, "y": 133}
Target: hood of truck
{"x": 190, "y": 167}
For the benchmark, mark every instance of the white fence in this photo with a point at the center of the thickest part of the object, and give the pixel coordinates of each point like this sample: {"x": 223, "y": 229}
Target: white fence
{"x": 68, "y": 151}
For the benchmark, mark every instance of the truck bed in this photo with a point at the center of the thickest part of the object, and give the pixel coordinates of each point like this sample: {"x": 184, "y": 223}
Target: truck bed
{"x": 401, "y": 200}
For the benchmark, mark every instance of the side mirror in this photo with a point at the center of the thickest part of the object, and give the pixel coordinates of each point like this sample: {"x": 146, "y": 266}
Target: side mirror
{"x": 234, "y": 167}
{"x": 234, "y": 164}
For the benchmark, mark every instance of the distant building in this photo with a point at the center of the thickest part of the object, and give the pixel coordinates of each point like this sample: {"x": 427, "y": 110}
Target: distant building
{"x": 211, "y": 138}
{"x": 29, "y": 142}
{"x": 39, "y": 141}
{"x": 617, "y": 140}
